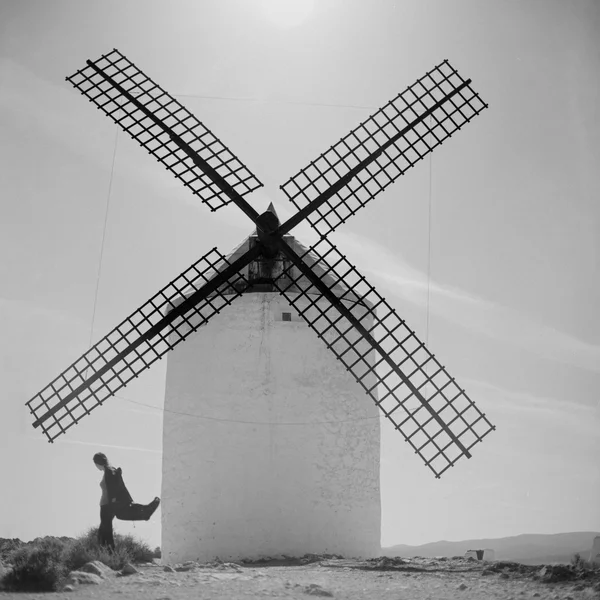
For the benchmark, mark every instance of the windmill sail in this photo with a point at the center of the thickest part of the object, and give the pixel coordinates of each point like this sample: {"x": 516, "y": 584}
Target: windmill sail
{"x": 410, "y": 386}
{"x": 342, "y": 180}
{"x": 164, "y": 127}
{"x": 169, "y": 317}
{"x": 408, "y": 383}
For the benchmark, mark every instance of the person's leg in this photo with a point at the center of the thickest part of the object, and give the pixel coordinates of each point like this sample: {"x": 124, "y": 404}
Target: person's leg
{"x": 137, "y": 512}
{"x": 101, "y": 530}
{"x": 105, "y": 531}
{"x": 131, "y": 512}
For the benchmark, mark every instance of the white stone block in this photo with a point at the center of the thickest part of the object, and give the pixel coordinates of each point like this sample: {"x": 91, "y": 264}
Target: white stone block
{"x": 489, "y": 554}
{"x": 595, "y": 553}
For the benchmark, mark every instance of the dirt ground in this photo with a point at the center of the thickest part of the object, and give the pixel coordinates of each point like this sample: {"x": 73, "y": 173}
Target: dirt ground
{"x": 394, "y": 579}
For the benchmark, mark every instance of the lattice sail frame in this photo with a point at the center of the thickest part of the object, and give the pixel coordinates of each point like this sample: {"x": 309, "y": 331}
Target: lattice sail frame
{"x": 366, "y": 140}
{"x": 408, "y": 415}
{"x": 344, "y": 179}
{"x": 153, "y": 138}
{"x": 131, "y": 331}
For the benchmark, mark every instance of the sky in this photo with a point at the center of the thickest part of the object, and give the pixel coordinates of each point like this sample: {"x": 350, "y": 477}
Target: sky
{"x": 490, "y": 250}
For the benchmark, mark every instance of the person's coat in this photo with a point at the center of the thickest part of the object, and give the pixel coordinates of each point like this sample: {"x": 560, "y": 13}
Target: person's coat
{"x": 118, "y": 494}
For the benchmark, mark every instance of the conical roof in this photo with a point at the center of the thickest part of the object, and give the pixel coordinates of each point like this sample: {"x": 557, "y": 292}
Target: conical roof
{"x": 261, "y": 272}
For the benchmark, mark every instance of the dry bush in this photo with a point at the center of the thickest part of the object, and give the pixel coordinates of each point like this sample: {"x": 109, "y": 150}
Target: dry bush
{"x": 37, "y": 568}
{"x": 138, "y": 551}
{"x": 584, "y": 565}
{"x": 86, "y": 548}
{"x": 44, "y": 565}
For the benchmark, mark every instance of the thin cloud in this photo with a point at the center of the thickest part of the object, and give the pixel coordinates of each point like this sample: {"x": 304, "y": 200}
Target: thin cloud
{"x": 468, "y": 310}
{"x": 98, "y": 444}
{"x": 555, "y": 409}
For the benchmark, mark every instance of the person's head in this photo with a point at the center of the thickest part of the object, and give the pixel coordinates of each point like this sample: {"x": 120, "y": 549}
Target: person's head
{"x": 100, "y": 460}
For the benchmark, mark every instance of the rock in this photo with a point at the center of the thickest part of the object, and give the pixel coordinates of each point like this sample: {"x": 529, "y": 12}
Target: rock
{"x": 554, "y": 573}
{"x": 579, "y": 588}
{"x": 312, "y": 558}
{"x": 97, "y": 568}
{"x": 504, "y": 576}
{"x": 129, "y": 569}
{"x": 314, "y": 589}
{"x": 462, "y": 587}
{"x": 169, "y": 569}
{"x": 76, "y": 577}
{"x": 185, "y": 567}
{"x": 487, "y": 572}
{"x": 68, "y": 588}
{"x": 536, "y": 594}
{"x": 233, "y": 566}
{"x": 542, "y": 572}
{"x": 385, "y": 563}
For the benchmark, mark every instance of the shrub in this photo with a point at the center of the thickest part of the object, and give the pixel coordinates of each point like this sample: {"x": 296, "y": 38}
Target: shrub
{"x": 8, "y": 547}
{"x": 42, "y": 565}
{"x": 37, "y": 568}
{"x": 137, "y": 550}
{"x": 86, "y": 549}
{"x": 584, "y": 565}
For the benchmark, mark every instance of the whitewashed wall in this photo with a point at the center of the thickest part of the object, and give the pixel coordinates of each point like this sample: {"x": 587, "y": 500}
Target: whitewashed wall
{"x": 595, "y": 553}
{"x": 243, "y": 490}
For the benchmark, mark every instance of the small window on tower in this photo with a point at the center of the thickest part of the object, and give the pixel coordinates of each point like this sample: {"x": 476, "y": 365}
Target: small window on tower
{"x": 286, "y": 316}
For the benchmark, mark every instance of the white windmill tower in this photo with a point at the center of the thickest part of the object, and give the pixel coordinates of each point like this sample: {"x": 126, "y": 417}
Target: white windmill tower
{"x": 290, "y": 463}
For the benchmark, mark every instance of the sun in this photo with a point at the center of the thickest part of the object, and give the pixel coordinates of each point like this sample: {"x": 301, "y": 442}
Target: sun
{"x": 287, "y": 13}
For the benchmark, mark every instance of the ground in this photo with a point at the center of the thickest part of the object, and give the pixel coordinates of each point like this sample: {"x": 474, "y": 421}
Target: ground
{"x": 397, "y": 579}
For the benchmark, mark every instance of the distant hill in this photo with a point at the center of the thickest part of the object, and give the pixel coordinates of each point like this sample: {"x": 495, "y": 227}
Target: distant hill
{"x": 528, "y": 548}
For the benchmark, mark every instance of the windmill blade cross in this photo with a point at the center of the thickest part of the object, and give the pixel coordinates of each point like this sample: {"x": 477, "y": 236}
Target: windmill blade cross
{"x": 333, "y": 187}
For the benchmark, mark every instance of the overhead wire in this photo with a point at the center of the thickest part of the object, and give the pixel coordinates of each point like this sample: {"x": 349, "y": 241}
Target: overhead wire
{"x": 185, "y": 414}
{"x": 102, "y": 243}
{"x": 429, "y": 240}
{"x": 286, "y": 102}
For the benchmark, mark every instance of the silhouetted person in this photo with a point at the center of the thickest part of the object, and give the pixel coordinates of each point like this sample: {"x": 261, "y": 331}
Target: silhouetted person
{"x": 116, "y": 501}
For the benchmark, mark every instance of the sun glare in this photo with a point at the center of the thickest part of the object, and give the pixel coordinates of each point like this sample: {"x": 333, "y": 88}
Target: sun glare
{"x": 287, "y": 13}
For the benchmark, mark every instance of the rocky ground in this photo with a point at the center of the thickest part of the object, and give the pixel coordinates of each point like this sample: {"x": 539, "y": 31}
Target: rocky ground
{"x": 382, "y": 578}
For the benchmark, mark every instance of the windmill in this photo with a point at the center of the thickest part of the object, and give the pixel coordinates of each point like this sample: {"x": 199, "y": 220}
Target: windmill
{"x": 313, "y": 488}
